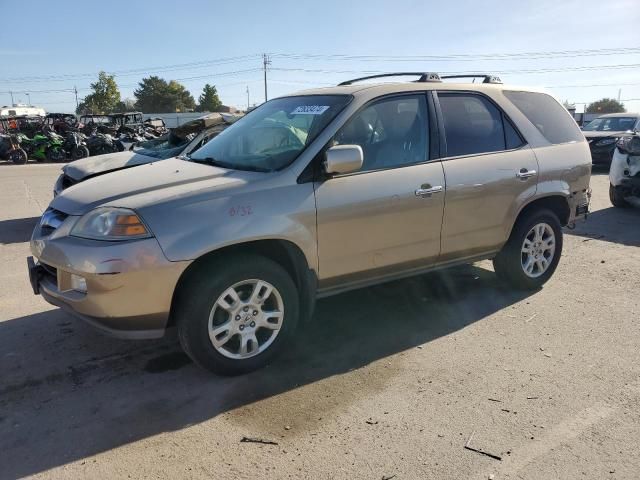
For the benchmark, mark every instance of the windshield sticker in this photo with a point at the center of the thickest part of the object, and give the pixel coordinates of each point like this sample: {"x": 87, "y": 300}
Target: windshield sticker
{"x": 310, "y": 110}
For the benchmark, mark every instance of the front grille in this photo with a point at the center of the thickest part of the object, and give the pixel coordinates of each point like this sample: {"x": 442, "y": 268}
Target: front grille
{"x": 51, "y": 221}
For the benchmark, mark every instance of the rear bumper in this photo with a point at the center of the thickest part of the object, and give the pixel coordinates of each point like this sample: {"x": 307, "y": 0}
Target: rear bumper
{"x": 129, "y": 285}
{"x": 579, "y": 206}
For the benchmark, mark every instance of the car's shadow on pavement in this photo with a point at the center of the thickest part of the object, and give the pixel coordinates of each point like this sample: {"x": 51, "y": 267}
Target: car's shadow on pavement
{"x": 618, "y": 225}
{"x": 67, "y": 393}
{"x": 17, "y": 230}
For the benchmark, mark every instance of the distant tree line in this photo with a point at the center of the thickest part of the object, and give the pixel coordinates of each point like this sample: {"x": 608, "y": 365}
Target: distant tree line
{"x": 153, "y": 95}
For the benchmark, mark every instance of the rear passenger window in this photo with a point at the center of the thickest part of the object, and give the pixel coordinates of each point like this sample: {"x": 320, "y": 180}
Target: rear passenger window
{"x": 511, "y": 136}
{"x": 472, "y": 124}
{"x": 547, "y": 115}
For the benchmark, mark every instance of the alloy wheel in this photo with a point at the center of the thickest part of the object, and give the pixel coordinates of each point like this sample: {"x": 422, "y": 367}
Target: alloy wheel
{"x": 246, "y": 319}
{"x": 538, "y": 250}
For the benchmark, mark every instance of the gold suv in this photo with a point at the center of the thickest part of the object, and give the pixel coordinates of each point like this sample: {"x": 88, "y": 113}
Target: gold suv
{"x": 310, "y": 195}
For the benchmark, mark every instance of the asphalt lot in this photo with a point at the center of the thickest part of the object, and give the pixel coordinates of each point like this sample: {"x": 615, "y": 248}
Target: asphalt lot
{"x": 389, "y": 380}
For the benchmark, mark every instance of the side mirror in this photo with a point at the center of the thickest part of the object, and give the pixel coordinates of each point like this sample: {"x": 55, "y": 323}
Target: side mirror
{"x": 343, "y": 159}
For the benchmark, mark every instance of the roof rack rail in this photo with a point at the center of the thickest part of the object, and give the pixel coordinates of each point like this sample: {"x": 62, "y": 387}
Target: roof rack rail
{"x": 487, "y": 78}
{"x": 424, "y": 77}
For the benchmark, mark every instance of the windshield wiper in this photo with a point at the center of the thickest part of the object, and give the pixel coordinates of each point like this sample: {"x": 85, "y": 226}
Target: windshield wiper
{"x": 210, "y": 161}
{"x": 217, "y": 163}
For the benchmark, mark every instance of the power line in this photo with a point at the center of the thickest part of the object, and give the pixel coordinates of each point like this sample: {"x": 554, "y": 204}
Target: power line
{"x": 517, "y": 71}
{"x": 198, "y": 77}
{"x": 136, "y": 71}
{"x": 465, "y": 56}
{"x": 594, "y": 85}
{"x": 332, "y": 57}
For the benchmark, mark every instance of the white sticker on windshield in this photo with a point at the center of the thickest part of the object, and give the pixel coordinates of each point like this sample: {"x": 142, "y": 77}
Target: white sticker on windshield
{"x": 310, "y": 110}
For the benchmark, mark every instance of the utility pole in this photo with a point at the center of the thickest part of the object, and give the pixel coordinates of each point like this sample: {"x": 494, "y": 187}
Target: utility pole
{"x": 266, "y": 61}
{"x": 28, "y": 98}
{"x": 619, "y": 93}
{"x": 12, "y": 103}
{"x": 75, "y": 90}
{"x": 247, "y": 97}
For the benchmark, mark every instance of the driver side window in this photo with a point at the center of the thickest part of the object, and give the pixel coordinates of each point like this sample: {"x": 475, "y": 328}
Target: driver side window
{"x": 392, "y": 132}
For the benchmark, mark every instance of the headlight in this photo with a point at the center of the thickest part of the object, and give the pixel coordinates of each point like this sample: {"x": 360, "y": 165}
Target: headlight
{"x": 606, "y": 141}
{"x": 109, "y": 223}
{"x": 630, "y": 144}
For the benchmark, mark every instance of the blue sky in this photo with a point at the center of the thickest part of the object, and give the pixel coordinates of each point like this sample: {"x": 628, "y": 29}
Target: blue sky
{"x": 48, "y": 45}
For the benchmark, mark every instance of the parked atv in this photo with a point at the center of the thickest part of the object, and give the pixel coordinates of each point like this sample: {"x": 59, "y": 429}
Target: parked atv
{"x": 75, "y": 145}
{"x": 10, "y": 149}
{"x": 101, "y": 143}
{"x": 44, "y": 146}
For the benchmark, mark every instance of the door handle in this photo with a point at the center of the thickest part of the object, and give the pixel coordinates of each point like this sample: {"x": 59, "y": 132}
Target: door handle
{"x": 427, "y": 190}
{"x": 523, "y": 174}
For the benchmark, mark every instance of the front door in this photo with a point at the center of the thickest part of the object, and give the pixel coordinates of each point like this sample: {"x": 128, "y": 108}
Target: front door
{"x": 386, "y": 217}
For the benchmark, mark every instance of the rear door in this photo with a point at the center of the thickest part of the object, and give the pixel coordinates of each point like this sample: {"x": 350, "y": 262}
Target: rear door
{"x": 490, "y": 172}
{"x": 386, "y": 217}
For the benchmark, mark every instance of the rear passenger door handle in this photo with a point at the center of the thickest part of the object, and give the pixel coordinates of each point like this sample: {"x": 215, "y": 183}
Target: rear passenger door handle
{"x": 523, "y": 174}
{"x": 427, "y": 190}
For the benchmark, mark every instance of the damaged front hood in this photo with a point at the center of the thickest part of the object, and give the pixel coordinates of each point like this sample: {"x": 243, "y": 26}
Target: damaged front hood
{"x": 155, "y": 183}
{"x": 109, "y": 162}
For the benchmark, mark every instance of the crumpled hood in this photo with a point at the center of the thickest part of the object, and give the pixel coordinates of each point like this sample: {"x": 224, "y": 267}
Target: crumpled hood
{"x": 150, "y": 184}
{"x": 109, "y": 162}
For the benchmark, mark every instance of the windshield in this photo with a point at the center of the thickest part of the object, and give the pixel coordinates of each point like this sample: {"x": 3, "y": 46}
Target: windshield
{"x": 164, "y": 147}
{"x": 613, "y": 124}
{"x": 274, "y": 134}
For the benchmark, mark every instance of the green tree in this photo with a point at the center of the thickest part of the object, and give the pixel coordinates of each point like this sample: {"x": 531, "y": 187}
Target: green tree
{"x": 209, "y": 100}
{"x": 156, "y": 95}
{"x": 606, "y": 105}
{"x": 104, "y": 98}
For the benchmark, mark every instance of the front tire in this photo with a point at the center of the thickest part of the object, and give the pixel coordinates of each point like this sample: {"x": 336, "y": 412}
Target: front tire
{"x": 533, "y": 251}
{"x": 18, "y": 156}
{"x": 235, "y": 315}
{"x": 616, "y": 195}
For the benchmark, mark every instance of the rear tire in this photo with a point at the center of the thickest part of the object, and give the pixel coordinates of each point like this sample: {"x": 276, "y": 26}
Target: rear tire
{"x": 533, "y": 251}
{"x": 18, "y": 156}
{"x": 242, "y": 322}
{"x": 56, "y": 155}
{"x": 616, "y": 195}
{"x": 79, "y": 152}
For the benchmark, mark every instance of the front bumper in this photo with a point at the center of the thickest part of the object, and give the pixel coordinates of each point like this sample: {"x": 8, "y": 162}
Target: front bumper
{"x": 129, "y": 285}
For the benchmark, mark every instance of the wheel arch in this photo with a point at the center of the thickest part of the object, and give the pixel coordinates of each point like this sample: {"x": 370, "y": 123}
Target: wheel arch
{"x": 557, "y": 203}
{"x": 284, "y": 252}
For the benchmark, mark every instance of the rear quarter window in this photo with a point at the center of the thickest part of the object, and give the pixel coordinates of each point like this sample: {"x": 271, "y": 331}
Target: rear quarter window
{"x": 547, "y": 115}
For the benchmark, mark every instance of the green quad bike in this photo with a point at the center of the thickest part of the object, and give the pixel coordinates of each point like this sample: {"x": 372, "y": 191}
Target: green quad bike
{"x": 45, "y": 146}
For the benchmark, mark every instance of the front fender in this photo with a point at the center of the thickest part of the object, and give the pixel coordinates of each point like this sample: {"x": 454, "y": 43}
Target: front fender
{"x": 187, "y": 231}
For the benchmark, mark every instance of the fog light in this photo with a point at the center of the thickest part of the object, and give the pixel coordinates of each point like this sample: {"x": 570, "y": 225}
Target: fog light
{"x": 78, "y": 283}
